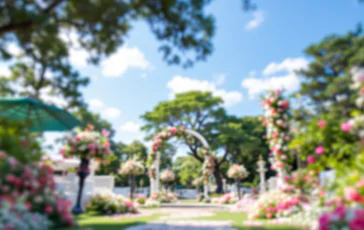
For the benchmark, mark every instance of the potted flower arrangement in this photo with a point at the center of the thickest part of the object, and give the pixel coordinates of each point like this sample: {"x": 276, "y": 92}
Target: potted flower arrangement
{"x": 237, "y": 172}
{"x": 166, "y": 177}
{"x": 132, "y": 168}
{"x": 86, "y": 145}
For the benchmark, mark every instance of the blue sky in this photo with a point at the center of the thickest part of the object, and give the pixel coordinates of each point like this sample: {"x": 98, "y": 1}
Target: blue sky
{"x": 252, "y": 52}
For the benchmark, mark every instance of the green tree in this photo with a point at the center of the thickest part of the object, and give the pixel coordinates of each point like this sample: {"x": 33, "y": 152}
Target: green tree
{"x": 326, "y": 81}
{"x": 243, "y": 139}
{"x": 101, "y": 26}
{"x": 135, "y": 149}
{"x": 57, "y": 84}
{"x": 187, "y": 169}
{"x": 199, "y": 111}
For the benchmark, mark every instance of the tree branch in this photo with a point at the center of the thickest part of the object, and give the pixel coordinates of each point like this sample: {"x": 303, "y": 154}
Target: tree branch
{"x": 24, "y": 24}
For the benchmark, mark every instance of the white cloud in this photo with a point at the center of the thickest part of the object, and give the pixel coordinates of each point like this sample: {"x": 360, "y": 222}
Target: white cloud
{"x": 77, "y": 55}
{"x": 124, "y": 59}
{"x": 256, "y": 86}
{"x": 106, "y": 111}
{"x": 13, "y": 49}
{"x": 111, "y": 112}
{"x": 287, "y": 65}
{"x": 4, "y": 71}
{"x": 95, "y": 103}
{"x": 130, "y": 126}
{"x": 180, "y": 84}
{"x": 257, "y": 20}
{"x": 288, "y": 80}
{"x": 219, "y": 79}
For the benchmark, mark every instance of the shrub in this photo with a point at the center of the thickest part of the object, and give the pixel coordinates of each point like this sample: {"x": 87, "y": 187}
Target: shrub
{"x": 109, "y": 203}
{"x": 164, "y": 197}
{"x": 35, "y": 184}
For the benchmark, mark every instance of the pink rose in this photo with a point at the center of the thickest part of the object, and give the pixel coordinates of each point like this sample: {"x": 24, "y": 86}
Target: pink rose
{"x": 319, "y": 150}
{"x": 310, "y": 159}
{"x": 360, "y": 184}
{"x": 2, "y": 155}
{"x": 352, "y": 195}
{"x": 321, "y": 123}
{"x": 346, "y": 127}
{"x": 105, "y": 133}
{"x": 173, "y": 130}
{"x": 358, "y": 222}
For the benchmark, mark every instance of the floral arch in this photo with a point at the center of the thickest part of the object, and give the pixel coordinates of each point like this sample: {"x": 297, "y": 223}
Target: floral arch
{"x": 165, "y": 135}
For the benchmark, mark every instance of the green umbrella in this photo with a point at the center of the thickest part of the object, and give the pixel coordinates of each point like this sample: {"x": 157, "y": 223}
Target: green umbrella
{"x": 43, "y": 117}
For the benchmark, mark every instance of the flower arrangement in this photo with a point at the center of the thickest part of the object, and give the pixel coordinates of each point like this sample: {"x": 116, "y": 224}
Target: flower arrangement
{"x": 275, "y": 204}
{"x": 178, "y": 131}
{"x": 18, "y": 217}
{"x": 109, "y": 203}
{"x": 164, "y": 197}
{"x": 167, "y": 176}
{"x": 342, "y": 218}
{"x": 276, "y": 119}
{"x": 226, "y": 198}
{"x": 198, "y": 182}
{"x": 87, "y": 144}
{"x": 132, "y": 167}
{"x": 237, "y": 172}
{"x": 34, "y": 184}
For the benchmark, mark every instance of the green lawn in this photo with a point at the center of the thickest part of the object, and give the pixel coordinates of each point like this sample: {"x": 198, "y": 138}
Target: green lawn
{"x": 91, "y": 222}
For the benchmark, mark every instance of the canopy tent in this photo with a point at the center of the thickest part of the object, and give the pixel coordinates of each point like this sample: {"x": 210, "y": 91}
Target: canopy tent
{"x": 42, "y": 117}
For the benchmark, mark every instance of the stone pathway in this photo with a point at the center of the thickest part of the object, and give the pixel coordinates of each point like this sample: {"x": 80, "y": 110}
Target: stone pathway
{"x": 182, "y": 219}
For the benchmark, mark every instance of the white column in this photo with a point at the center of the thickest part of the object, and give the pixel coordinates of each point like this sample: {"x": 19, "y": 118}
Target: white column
{"x": 206, "y": 190}
{"x": 262, "y": 170}
{"x": 156, "y": 188}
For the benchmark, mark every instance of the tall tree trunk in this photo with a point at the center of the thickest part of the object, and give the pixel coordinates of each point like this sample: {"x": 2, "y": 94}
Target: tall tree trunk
{"x": 218, "y": 179}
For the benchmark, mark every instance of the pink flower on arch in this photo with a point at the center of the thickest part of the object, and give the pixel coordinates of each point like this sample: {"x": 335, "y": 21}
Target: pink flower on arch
{"x": 321, "y": 123}
{"x": 173, "y": 130}
{"x": 351, "y": 194}
{"x": 346, "y": 127}
{"x": 310, "y": 159}
{"x": 319, "y": 150}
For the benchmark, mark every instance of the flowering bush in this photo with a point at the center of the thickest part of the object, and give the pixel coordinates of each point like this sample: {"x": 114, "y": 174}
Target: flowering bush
{"x": 179, "y": 131}
{"x": 87, "y": 144}
{"x": 277, "y": 121}
{"x": 303, "y": 181}
{"x": 164, "y": 197}
{"x": 141, "y": 199}
{"x": 109, "y": 203}
{"x": 274, "y": 204}
{"x": 18, "y": 217}
{"x": 132, "y": 167}
{"x": 198, "y": 182}
{"x": 342, "y": 218}
{"x": 152, "y": 204}
{"x": 245, "y": 203}
{"x": 237, "y": 172}
{"x": 167, "y": 176}
{"x": 227, "y": 198}
{"x": 35, "y": 184}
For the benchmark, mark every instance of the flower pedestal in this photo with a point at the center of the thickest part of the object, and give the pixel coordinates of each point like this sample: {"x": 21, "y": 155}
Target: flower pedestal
{"x": 83, "y": 172}
{"x": 132, "y": 186}
{"x": 238, "y": 188}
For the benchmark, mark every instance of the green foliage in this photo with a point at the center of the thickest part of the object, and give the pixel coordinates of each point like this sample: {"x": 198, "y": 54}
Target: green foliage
{"x": 339, "y": 146}
{"x": 187, "y": 169}
{"x": 101, "y": 26}
{"x": 17, "y": 141}
{"x": 328, "y": 77}
{"x": 135, "y": 149}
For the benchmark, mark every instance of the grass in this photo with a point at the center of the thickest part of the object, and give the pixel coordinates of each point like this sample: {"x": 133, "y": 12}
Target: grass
{"x": 237, "y": 221}
{"x": 92, "y": 222}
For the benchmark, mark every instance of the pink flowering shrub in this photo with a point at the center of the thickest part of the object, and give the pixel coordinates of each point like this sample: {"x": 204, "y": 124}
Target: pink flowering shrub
{"x": 164, "y": 197}
{"x": 109, "y": 203}
{"x": 342, "y": 218}
{"x": 226, "y": 198}
{"x": 275, "y": 204}
{"x": 303, "y": 181}
{"x": 35, "y": 184}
